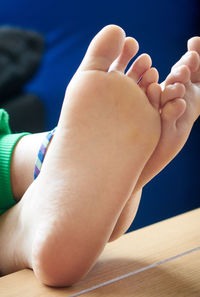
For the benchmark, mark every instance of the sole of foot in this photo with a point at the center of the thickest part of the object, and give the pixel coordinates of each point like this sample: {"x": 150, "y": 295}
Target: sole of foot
{"x": 107, "y": 131}
{"x": 180, "y": 105}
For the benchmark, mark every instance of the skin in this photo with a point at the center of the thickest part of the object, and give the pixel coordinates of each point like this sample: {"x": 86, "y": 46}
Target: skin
{"x": 99, "y": 124}
{"x": 178, "y": 88}
{"x": 180, "y": 107}
{"x": 177, "y": 111}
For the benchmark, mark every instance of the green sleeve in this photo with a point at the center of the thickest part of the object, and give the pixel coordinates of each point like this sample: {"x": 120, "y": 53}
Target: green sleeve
{"x": 7, "y": 144}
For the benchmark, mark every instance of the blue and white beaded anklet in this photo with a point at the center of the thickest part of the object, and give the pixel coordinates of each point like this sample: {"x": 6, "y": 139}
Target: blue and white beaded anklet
{"x": 42, "y": 152}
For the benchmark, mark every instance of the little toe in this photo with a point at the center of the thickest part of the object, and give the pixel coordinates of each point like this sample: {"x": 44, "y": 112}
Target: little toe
{"x": 172, "y": 92}
{"x": 105, "y": 47}
{"x": 172, "y": 111}
{"x": 179, "y": 74}
{"x": 154, "y": 93}
{"x": 130, "y": 49}
{"x": 139, "y": 67}
{"x": 149, "y": 77}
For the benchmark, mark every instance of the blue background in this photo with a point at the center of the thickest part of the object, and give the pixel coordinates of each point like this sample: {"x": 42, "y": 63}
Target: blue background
{"x": 162, "y": 29}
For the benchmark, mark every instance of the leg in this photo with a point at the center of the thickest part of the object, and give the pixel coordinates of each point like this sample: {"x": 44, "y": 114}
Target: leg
{"x": 23, "y": 162}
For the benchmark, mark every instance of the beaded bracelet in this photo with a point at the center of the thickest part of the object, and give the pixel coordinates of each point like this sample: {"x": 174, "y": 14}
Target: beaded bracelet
{"x": 42, "y": 152}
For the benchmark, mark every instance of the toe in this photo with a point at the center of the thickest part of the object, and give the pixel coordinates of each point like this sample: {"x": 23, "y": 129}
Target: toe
{"x": 190, "y": 59}
{"x": 194, "y": 44}
{"x": 149, "y": 77}
{"x": 172, "y": 92}
{"x": 172, "y": 111}
{"x": 130, "y": 49}
{"x": 154, "y": 94}
{"x": 139, "y": 67}
{"x": 179, "y": 74}
{"x": 105, "y": 47}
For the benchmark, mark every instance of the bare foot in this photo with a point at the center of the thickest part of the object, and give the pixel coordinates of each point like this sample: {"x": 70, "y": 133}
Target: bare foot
{"x": 100, "y": 147}
{"x": 180, "y": 107}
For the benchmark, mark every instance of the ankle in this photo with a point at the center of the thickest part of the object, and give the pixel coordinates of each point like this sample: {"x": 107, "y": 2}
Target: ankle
{"x": 23, "y": 162}
{"x": 12, "y": 238}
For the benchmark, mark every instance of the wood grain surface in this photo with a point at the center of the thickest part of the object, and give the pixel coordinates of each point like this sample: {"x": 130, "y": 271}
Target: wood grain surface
{"x": 135, "y": 250}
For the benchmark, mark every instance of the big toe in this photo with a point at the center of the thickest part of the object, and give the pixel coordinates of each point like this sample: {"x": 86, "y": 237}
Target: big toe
{"x": 105, "y": 47}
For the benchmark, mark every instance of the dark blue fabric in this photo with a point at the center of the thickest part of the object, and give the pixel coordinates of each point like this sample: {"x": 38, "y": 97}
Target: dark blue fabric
{"x": 162, "y": 29}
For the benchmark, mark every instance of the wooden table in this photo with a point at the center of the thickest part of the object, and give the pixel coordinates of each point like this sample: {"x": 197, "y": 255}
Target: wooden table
{"x": 139, "y": 250}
